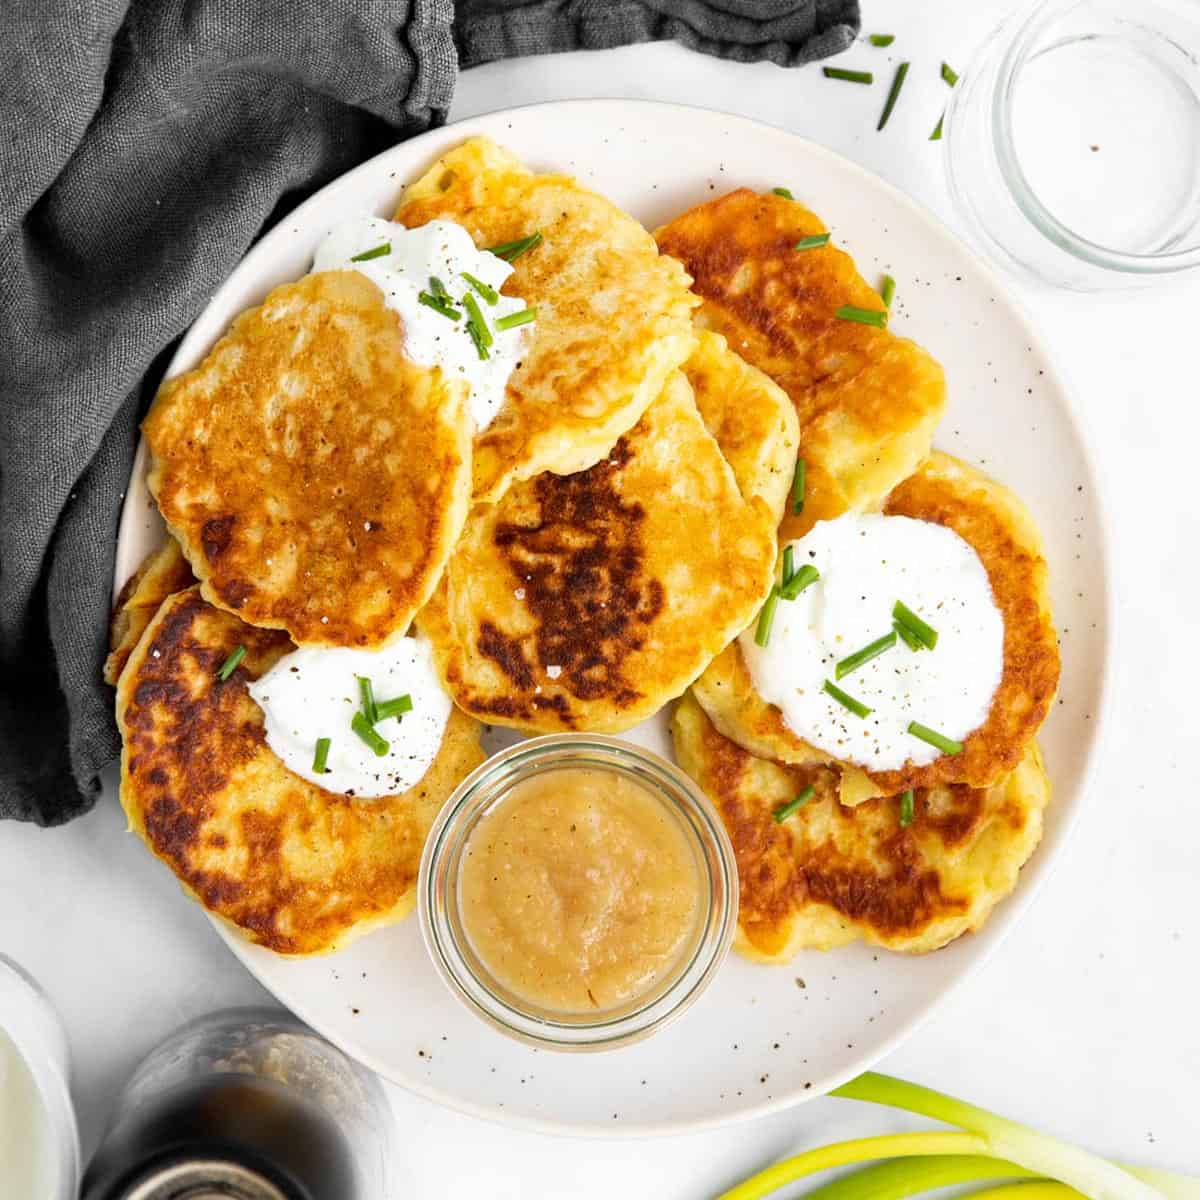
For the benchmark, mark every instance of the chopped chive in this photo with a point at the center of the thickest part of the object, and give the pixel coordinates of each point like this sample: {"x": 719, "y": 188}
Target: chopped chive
{"x": 893, "y": 95}
{"x": 321, "y": 756}
{"x": 784, "y": 811}
{"x": 949, "y": 74}
{"x": 881, "y": 39}
{"x": 445, "y": 307}
{"x": 848, "y": 76}
{"x": 396, "y": 707}
{"x": 766, "y": 618}
{"x": 805, "y": 577}
{"x": 374, "y": 252}
{"x": 784, "y": 192}
{"x": 789, "y": 565}
{"x": 906, "y": 808}
{"x": 857, "y": 707}
{"x": 863, "y": 316}
{"x": 488, "y": 292}
{"x": 518, "y": 318}
{"x": 926, "y": 634}
{"x": 861, "y": 657}
{"x": 811, "y": 243}
{"x": 798, "y": 481}
{"x": 366, "y": 731}
{"x": 907, "y": 636}
{"x": 944, "y": 744}
{"x": 936, "y": 135}
{"x": 481, "y": 335}
{"x": 438, "y": 288}
{"x": 887, "y": 291}
{"x": 230, "y": 664}
{"x": 511, "y": 251}
{"x": 367, "y": 695}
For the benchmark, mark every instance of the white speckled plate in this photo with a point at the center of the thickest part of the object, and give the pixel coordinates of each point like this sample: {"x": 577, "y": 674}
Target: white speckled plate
{"x": 762, "y": 1037}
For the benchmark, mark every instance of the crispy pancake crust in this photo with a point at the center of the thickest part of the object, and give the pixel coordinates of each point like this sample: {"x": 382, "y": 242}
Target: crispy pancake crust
{"x": 315, "y": 478}
{"x": 614, "y": 316}
{"x": 295, "y": 868}
{"x": 587, "y": 601}
{"x": 999, "y": 527}
{"x": 868, "y": 401}
{"x": 830, "y": 874}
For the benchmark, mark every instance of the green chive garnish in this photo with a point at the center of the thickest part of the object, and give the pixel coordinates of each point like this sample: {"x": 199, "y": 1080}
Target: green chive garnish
{"x": 907, "y": 636}
{"x": 857, "y": 707}
{"x": 784, "y": 192}
{"x": 367, "y": 695}
{"x": 893, "y": 94}
{"x": 848, "y": 76}
{"x": 882, "y": 39}
{"x": 396, "y": 707}
{"x": 811, "y": 243}
{"x": 925, "y": 634}
{"x": 230, "y": 664}
{"x": 374, "y": 252}
{"x": 906, "y": 808}
{"x": 518, "y": 318}
{"x": 805, "y": 577}
{"x": 438, "y": 288}
{"x": 944, "y": 744}
{"x": 949, "y": 74}
{"x": 321, "y": 756}
{"x": 766, "y": 618}
{"x": 798, "y": 480}
{"x": 887, "y": 291}
{"x": 853, "y": 661}
{"x": 784, "y": 811}
{"x": 511, "y": 251}
{"x": 439, "y": 305}
{"x": 789, "y": 564}
{"x": 481, "y": 335}
{"x": 488, "y": 292}
{"x": 863, "y": 316}
{"x": 936, "y": 135}
{"x": 366, "y": 731}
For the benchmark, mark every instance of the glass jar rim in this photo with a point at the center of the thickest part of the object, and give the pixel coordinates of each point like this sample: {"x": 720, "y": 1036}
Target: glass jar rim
{"x": 486, "y": 786}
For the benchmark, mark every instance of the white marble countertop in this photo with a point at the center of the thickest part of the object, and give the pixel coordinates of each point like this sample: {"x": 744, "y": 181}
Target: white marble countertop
{"x": 1083, "y": 1023}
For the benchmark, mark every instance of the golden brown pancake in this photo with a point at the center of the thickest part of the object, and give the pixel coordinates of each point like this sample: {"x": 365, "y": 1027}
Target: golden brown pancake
{"x": 829, "y": 874}
{"x": 1000, "y": 529}
{"x": 868, "y": 401}
{"x": 587, "y": 601}
{"x": 162, "y": 572}
{"x": 296, "y": 869}
{"x": 614, "y": 316}
{"x": 316, "y": 479}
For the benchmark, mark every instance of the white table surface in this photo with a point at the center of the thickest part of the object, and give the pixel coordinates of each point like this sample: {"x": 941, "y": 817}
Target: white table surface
{"x": 1084, "y": 1023}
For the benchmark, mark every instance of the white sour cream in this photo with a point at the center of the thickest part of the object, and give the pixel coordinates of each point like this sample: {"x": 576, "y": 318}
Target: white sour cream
{"x": 867, "y": 563}
{"x": 314, "y": 693}
{"x": 442, "y": 249}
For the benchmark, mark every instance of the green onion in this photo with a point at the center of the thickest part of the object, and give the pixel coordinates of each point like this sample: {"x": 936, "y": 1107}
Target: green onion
{"x": 926, "y": 634}
{"x": 936, "y": 135}
{"x": 893, "y": 95}
{"x": 784, "y": 192}
{"x": 805, "y": 577}
{"x": 857, "y": 707}
{"x": 861, "y": 657}
{"x": 230, "y": 664}
{"x": 438, "y": 288}
{"x": 906, "y": 808}
{"x": 864, "y": 316}
{"x": 374, "y": 252}
{"x": 511, "y": 251}
{"x": 944, "y": 744}
{"x": 321, "y": 756}
{"x": 396, "y": 707}
{"x": 848, "y": 76}
{"x": 488, "y": 292}
{"x": 766, "y": 618}
{"x": 445, "y": 307}
{"x": 811, "y": 243}
{"x": 887, "y": 291}
{"x": 481, "y": 335}
{"x": 907, "y": 636}
{"x": 949, "y": 74}
{"x": 518, "y": 318}
{"x": 784, "y": 811}
{"x": 367, "y": 695}
{"x": 881, "y": 39}
{"x": 366, "y": 731}
{"x": 798, "y": 481}
{"x": 789, "y": 565}
{"x": 901, "y": 1178}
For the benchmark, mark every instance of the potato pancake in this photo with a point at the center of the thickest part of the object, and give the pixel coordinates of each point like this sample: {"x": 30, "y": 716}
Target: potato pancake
{"x": 315, "y": 478}
{"x": 614, "y": 316}
{"x": 295, "y": 868}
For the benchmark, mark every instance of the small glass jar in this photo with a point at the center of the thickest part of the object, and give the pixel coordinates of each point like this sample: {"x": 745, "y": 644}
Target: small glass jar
{"x": 464, "y": 971}
{"x": 1072, "y": 141}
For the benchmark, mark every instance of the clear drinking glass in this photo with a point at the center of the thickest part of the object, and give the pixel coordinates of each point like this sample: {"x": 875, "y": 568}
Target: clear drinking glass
{"x": 1072, "y": 141}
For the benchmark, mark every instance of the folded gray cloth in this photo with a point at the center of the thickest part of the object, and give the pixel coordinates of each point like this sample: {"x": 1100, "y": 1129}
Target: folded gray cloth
{"x": 146, "y": 144}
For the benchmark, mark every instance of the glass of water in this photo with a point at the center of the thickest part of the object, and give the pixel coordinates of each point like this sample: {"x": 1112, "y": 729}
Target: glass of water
{"x": 1073, "y": 141}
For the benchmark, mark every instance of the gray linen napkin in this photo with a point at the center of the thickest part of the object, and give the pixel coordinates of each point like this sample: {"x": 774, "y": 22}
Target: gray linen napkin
{"x": 145, "y": 144}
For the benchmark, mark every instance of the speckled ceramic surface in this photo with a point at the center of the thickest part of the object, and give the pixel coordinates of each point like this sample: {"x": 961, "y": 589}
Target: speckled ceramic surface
{"x": 761, "y": 1037}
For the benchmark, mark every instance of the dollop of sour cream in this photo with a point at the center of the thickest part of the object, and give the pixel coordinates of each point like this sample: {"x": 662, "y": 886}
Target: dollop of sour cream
{"x": 868, "y": 562}
{"x": 314, "y": 693}
{"x": 440, "y": 250}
